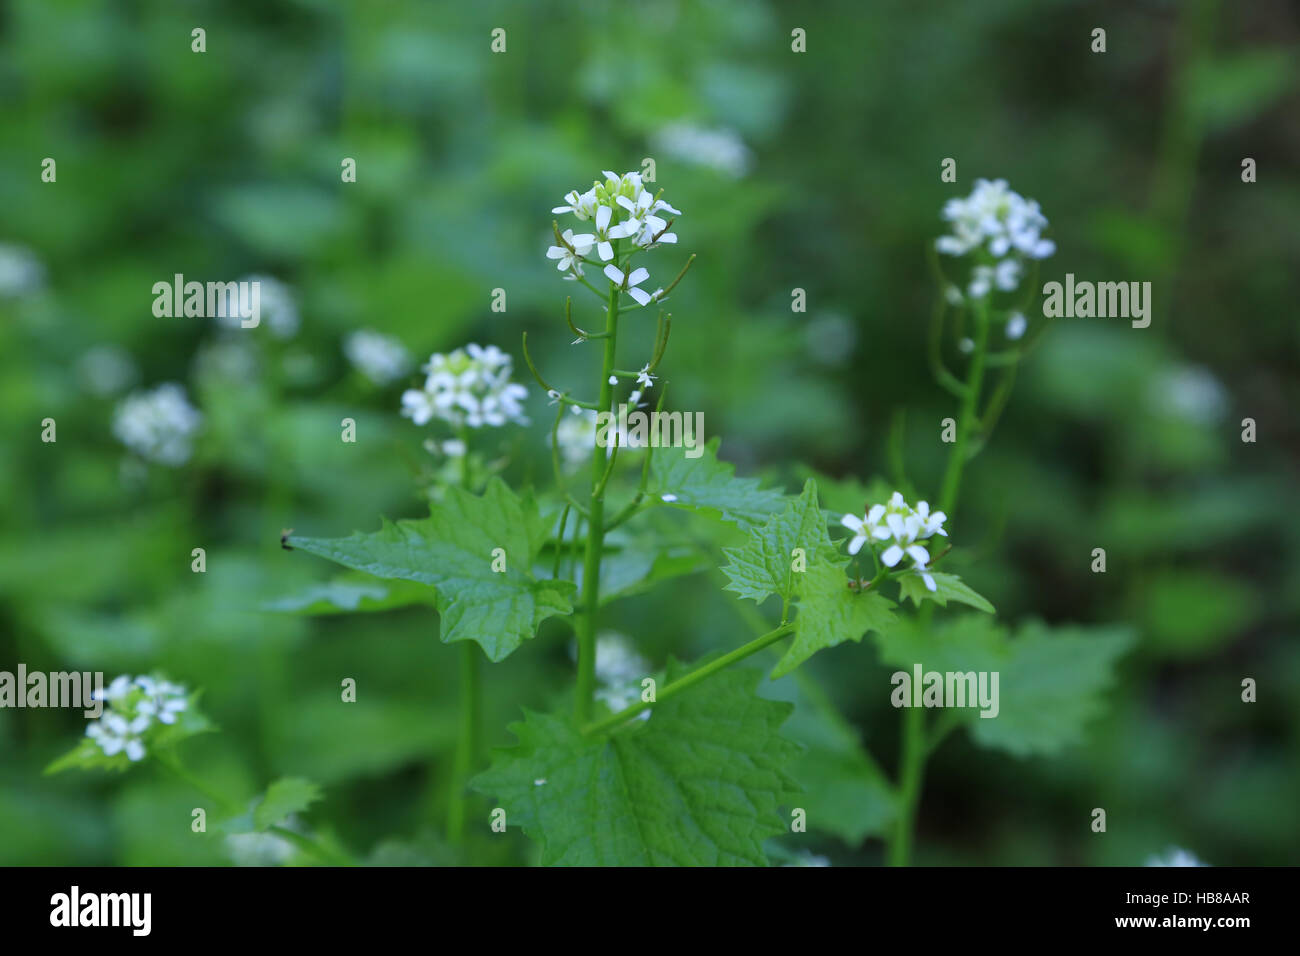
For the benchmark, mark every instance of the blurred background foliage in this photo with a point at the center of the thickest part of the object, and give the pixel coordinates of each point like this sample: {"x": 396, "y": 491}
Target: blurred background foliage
{"x": 821, "y": 172}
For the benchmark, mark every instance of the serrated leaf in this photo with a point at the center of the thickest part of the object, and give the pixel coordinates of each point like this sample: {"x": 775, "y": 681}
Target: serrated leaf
{"x": 349, "y": 594}
{"x": 707, "y": 484}
{"x": 699, "y": 783}
{"x": 286, "y": 796}
{"x": 830, "y": 613}
{"x": 1051, "y": 686}
{"x": 452, "y": 551}
{"x": 948, "y": 587}
{"x": 763, "y": 565}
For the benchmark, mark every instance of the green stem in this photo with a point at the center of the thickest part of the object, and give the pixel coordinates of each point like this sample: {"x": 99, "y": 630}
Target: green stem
{"x": 915, "y": 748}
{"x": 690, "y": 680}
{"x": 467, "y": 738}
{"x": 585, "y": 692}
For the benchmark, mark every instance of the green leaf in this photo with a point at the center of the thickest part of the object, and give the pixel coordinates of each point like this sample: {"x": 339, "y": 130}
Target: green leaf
{"x": 352, "y": 593}
{"x": 949, "y": 587}
{"x": 286, "y": 796}
{"x": 706, "y": 484}
{"x": 763, "y": 565}
{"x": 845, "y": 792}
{"x": 699, "y": 783}
{"x": 1051, "y": 686}
{"x": 830, "y": 613}
{"x": 965, "y": 642}
{"x": 453, "y": 551}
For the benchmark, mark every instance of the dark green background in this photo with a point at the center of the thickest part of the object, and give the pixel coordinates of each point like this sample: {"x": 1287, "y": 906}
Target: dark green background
{"x": 220, "y": 164}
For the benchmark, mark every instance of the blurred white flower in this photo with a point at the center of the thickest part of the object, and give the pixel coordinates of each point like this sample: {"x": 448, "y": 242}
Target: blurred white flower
{"x": 277, "y": 308}
{"x": 1192, "y": 393}
{"x": 470, "y": 386}
{"x": 159, "y": 426}
{"x": 105, "y": 370}
{"x": 380, "y": 358}
{"x": 720, "y": 149}
{"x": 258, "y": 849}
{"x": 134, "y": 705}
{"x": 1001, "y": 224}
{"x": 619, "y": 671}
{"x": 21, "y": 273}
{"x": 997, "y": 217}
{"x": 807, "y": 858}
{"x": 1174, "y": 856}
{"x": 1016, "y": 325}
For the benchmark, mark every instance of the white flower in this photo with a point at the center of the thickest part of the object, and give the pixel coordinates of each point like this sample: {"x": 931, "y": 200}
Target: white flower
{"x": 620, "y": 207}
{"x": 380, "y": 358}
{"x": 134, "y": 706}
{"x": 630, "y": 282}
{"x": 642, "y": 213}
{"x": 1003, "y": 224}
{"x": 258, "y": 849}
{"x": 570, "y": 254}
{"x": 159, "y": 425}
{"x": 904, "y": 527}
{"x": 21, "y": 272}
{"x": 470, "y": 386}
{"x": 115, "y": 691}
{"x": 643, "y": 378}
{"x": 719, "y": 149}
{"x": 1005, "y": 275}
{"x": 582, "y": 205}
{"x": 619, "y": 671}
{"x": 1174, "y": 856}
{"x": 163, "y": 700}
{"x": 604, "y": 233}
{"x": 276, "y": 308}
{"x": 1016, "y": 325}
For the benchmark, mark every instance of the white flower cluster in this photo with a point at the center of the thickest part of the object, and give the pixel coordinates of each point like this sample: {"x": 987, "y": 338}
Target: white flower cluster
{"x": 135, "y": 705}
{"x": 380, "y": 358}
{"x": 907, "y": 529}
{"x": 995, "y": 219}
{"x": 159, "y": 425}
{"x": 618, "y": 208}
{"x": 470, "y": 386}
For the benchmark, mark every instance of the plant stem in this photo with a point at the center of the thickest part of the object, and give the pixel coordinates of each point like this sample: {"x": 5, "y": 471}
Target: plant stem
{"x": 467, "y": 746}
{"x": 466, "y": 740}
{"x": 691, "y": 679}
{"x": 915, "y": 748}
{"x": 595, "y": 529}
